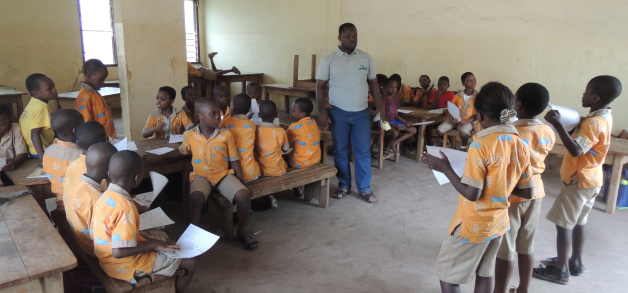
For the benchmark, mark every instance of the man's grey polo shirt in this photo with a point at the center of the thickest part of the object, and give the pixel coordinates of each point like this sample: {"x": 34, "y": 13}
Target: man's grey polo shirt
{"x": 347, "y": 75}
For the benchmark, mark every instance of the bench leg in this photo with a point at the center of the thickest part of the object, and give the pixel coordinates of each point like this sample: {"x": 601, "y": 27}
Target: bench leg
{"x": 318, "y": 190}
{"x": 220, "y": 217}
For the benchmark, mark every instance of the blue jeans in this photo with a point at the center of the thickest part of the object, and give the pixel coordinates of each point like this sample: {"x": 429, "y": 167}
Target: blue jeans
{"x": 355, "y": 128}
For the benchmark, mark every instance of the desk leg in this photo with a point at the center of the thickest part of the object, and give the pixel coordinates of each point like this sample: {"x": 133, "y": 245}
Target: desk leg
{"x": 420, "y": 141}
{"x": 267, "y": 95}
{"x": 244, "y": 87}
{"x": 185, "y": 182}
{"x": 39, "y": 193}
{"x": 20, "y": 109}
{"x": 52, "y": 284}
{"x": 286, "y": 104}
{"x": 613, "y": 188}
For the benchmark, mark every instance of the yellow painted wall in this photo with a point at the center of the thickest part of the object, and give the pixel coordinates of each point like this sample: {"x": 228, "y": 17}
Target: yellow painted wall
{"x": 561, "y": 44}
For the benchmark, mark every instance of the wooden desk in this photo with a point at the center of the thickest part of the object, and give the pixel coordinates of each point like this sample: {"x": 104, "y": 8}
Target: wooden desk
{"x": 617, "y": 156}
{"x": 39, "y": 187}
{"x": 34, "y": 255}
{"x": 110, "y": 94}
{"x": 243, "y": 77}
{"x": 12, "y": 96}
{"x": 419, "y": 115}
{"x": 287, "y": 91}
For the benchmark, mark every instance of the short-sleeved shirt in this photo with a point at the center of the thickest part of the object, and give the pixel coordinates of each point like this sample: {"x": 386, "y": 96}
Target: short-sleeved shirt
{"x": 391, "y": 105}
{"x": 540, "y": 138}
{"x": 116, "y": 224}
{"x": 73, "y": 173}
{"x": 442, "y": 101}
{"x": 497, "y": 162}
{"x": 243, "y": 131}
{"x": 419, "y": 93}
{"x": 347, "y": 75}
{"x": 467, "y": 108}
{"x": 593, "y": 135}
{"x": 210, "y": 156}
{"x": 94, "y": 108}
{"x": 56, "y": 160}
{"x": 36, "y": 115}
{"x": 226, "y": 114}
{"x": 12, "y": 143}
{"x": 191, "y": 115}
{"x": 305, "y": 139}
{"x": 270, "y": 143}
{"x": 177, "y": 123}
{"x": 405, "y": 94}
{"x": 78, "y": 202}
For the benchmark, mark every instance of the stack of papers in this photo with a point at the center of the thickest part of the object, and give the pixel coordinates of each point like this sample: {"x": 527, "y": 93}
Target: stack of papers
{"x": 457, "y": 159}
{"x": 159, "y": 182}
{"x": 153, "y": 219}
{"x": 193, "y": 242}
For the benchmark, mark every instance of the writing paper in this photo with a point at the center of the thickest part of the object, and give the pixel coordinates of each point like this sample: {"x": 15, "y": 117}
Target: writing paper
{"x": 423, "y": 123}
{"x": 159, "y": 182}
{"x": 569, "y": 118}
{"x": 153, "y": 219}
{"x": 404, "y": 111}
{"x": 437, "y": 111}
{"x": 453, "y": 110}
{"x": 160, "y": 151}
{"x": 176, "y": 138}
{"x": 193, "y": 242}
{"x": 457, "y": 159}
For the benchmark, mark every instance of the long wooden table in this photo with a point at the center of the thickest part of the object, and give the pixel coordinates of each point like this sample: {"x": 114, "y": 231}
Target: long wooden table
{"x": 243, "y": 77}
{"x": 12, "y": 96}
{"x": 419, "y": 115}
{"x": 34, "y": 255}
{"x": 110, "y": 94}
{"x": 287, "y": 91}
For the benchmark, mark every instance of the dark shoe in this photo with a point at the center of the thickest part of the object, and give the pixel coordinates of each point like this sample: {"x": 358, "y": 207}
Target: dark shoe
{"x": 368, "y": 196}
{"x": 551, "y": 273}
{"x": 574, "y": 271}
{"x": 298, "y": 191}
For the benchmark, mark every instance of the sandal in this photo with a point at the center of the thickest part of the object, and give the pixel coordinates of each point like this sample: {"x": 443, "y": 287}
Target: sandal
{"x": 551, "y": 273}
{"x": 574, "y": 271}
{"x": 340, "y": 193}
{"x": 298, "y": 191}
{"x": 247, "y": 241}
{"x": 512, "y": 289}
{"x": 396, "y": 150}
{"x": 388, "y": 151}
{"x": 368, "y": 196}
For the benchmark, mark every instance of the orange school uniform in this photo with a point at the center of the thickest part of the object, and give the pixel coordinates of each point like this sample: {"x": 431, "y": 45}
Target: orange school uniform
{"x": 497, "y": 162}
{"x": 78, "y": 202}
{"x": 177, "y": 123}
{"x": 73, "y": 173}
{"x": 305, "y": 139}
{"x": 210, "y": 156}
{"x": 226, "y": 114}
{"x": 419, "y": 92}
{"x": 243, "y": 131}
{"x": 93, "y": 107}
{"x": 56, "y": 160}
{"x": 405, "y": 94}
{"x": 467, "y": 109}
{"x": 270, "y": 143}
{"x": 191, "y": 115}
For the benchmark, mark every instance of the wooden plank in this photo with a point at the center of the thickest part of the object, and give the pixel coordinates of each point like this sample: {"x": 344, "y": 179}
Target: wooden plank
{"x": 295, "y": 71}
{"x": 18, "y": 176}
{"x": 313, "y": 73}
{"x": 293, "y": 178}
{"x": 613, "y": 188}
{"x": 12, "y": 269}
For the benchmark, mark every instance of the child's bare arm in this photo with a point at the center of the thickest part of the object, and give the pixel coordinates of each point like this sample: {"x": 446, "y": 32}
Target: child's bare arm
{"x": 150, "y": 131}
{"x": 174, "y": 154}
{"x": 442, "y": 165}
{"x": 553, "y": 117}
{"x": 235, "y": 165}
{"x": 36, "y": 139}
{"x": 148, "y": 245}
{"x": 10, "y": 166}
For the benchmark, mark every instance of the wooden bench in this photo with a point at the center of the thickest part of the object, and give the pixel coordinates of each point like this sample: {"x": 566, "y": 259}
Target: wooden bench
{"x": 315, "y": 179}
{"x": 158, "y": 283}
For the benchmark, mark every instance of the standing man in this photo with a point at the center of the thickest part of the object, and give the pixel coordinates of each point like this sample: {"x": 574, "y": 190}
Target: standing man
{"x": 350, "y": 73}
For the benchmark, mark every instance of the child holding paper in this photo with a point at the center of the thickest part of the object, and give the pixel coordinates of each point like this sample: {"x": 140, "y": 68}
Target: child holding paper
{"x": 424, "y": 92}
{"x": 167, "y": 120}
{"x": 255, "y": 93}
{"x": 465, "y": 101}
{"x": 400, "y": 128}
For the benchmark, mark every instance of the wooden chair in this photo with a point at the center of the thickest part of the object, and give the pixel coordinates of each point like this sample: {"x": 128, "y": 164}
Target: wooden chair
{"x": 451, "y": 136}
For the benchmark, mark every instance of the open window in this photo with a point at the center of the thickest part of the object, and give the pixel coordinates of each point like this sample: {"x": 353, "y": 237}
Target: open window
{"x": 96, "y": 17}
{"x": 190, "y": 8}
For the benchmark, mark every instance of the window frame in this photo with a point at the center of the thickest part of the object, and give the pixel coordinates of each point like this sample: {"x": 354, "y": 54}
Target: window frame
{"x": 113, "y": 34}
{"x": 196, "y": 34}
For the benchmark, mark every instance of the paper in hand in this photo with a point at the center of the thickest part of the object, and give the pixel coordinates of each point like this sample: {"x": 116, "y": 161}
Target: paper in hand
{"x": 453, "y": 110}
{"x": 193, "y": 242}
{"x": 159, "y": 182}
{"x": 404, "y": 111}
{"x": 437, "y": 111}
{"x": 38, "y": 173}
{"x": 457, "y": 159}
{"x": 153, "y": 219}
{"x": 3, "y": 162}
{"x": 160, "y": 151}
{"x": 176, "y": 138}
{"x": 569, "y": 118}
{"x": 424, "y": 123}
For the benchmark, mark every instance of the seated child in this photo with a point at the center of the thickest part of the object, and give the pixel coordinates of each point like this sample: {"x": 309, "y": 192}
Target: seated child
{"x": 381, "y": 79}
{"x": 209, "y": 74}
{"x": 214, "y": 161}
{"x": 189, "y": 96}
{"x": 221, "y": 96}
{"x": 59, "y": 155}
{"x": 89, "y": 102}
{"x": 167, "y": 120}
{"x": 81, "y": 196}
{"x": 12, "y": 146}
{"x": 404, "y": 95}
{"x": 400, "y": 129}
{"x": 498, "y": 165}
{"x": 422, "y": 95}
{"x": 243, "y": 131}
{"x": 465, "y": 101}
{"x": 271, "y": 142}
{"x": 88, "y": 134}
{"x": 122, "y": 252}
{"x": 531, "y": 100}
{"x": 440, "y": 97}
{"x": 35, "y": 120}
{"x": 255, "y": 93}
{"x": 303, "y": 135}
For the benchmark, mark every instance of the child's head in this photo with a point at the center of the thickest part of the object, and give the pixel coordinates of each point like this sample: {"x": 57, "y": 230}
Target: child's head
{"x": 443, "y": 83}
{"x": 240, "y": 104}
{"x": 208, "y": 112}
{"x": 254, "y": 91}
{"x": 188, "y": 94}
{"x": 267, "y": 111}
{"x": 5, "y": 119}
{"x": 424, "y": 81}
{"x": 601, "y": 91}
{"x": 495, "y": 105}
{"x": 41, "y": 87}
{"x": 65, "y": 122}
{"x": 301, "y": 108}
{"x": 381, "y": 81}
{"x": 125, "y": 168}
{"x": 165, "y": 97}
{"x": 221, "y": 95}
{"x": 90, "y": 133}
{"x": 97, "y": 159}
{"x": 95, "y": 73}
{"x": 397, "y": 78}
{"x": 468, "y": 80}
{"x": 531, "y": 99}
{"x": 391, "y": 87}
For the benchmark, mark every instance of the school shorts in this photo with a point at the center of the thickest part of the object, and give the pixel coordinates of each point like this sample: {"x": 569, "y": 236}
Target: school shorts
{"x": 208, "y": 74}
{"x": 228, "y": 186}
{"x": 458, "y": 262}
{"x": 524, "y": 217}
{"x": 397, "y": 122}
{"x": 448, "y": 125}
{"x": 164, "y": 265}
{"x": 572, "y": 205}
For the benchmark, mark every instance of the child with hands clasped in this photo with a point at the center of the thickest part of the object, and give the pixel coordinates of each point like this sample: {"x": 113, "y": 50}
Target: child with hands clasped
{"x": 498, "y": 165}
{"x": 400, "y": 128}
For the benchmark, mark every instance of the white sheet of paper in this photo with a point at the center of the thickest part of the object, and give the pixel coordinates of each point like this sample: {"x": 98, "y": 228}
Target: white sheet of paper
{"x": 276, "y": 122}
{"x": 568, "y": 117}
{"x": 122, "y": 145}
{"x": 193, "y": 242}
{"x": 437, "y": 111}
{"x": 159, "y": 182}
{"x": 176, "y": 138}
{"x": 423, "y": 123}
{"x": 153, "y": 219}
{"x": 37, "y": 173}
{"x": 160, "y": 151}
{"x": 404, "y": 111}
{"x": 130, "y": 146}
{"x": 3, "y": 162}
{"x": 453, "y": 110}
{"x": 51, "y": 204}
{"x": 457, "y": 159}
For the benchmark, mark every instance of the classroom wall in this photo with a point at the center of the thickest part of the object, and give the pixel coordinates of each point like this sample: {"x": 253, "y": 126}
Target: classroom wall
{"x": 561, "y": 44}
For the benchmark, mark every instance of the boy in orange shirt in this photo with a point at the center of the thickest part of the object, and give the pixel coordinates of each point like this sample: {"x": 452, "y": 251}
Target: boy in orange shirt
{"x": 404, "y": 93}
{"x": 88, "y": 134}
{"x": 221, "y": 96}
{"x": 423, "y": 93}
{"x": 122, "y": 252}
{"x": 303, "y": 135}
{"x": 59, "y": 155}
{"x": 581, "y": 174}
{"x": 89, "y": 102}
{"x": 167, "y": 120}
{"x": 81, "y": 196}
{"x": 254, "y": 92}
{"x": 35, "y": 120}
{"x": 12, "y": 146}
{"x": 189, "y": 96}
{"x": 465, "y": 100}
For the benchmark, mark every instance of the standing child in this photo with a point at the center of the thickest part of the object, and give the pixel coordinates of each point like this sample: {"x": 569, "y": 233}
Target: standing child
{"x": 12, "y": 146}
{"x": 465, "y": 101}
{"x": 214, "y": 161}
{"x": 35, "y": 120}
{"x": 88, "y": 134}
{"x": 581, "y": 174}
{"x": 167, "y": 120}
{"x": 421, "y": 97}
{"x": 89, "y": 102}
{"x": 189, "y": 97}
{"x": 531, "y": 100}
{"x": 498, "y": 165}
{"x": 404, "y": 93}
{"x": 400, "y": 129}
{"x": 255, "y": 93}
{"x": 59, "y": 155}
{"x": 122, "y": 252}
{"x": 303, "y": 135}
